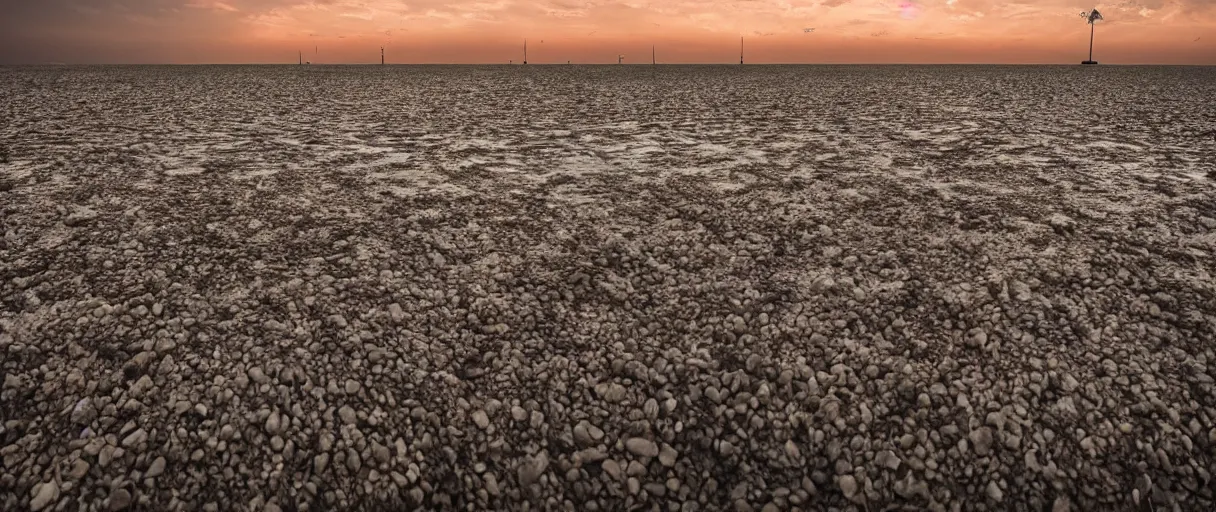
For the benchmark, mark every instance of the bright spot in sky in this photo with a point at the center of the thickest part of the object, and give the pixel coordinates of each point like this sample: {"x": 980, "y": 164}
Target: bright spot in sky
{"x": 908, "y": 10}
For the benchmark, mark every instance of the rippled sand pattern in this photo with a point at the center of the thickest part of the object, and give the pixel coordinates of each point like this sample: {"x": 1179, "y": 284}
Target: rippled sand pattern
{"x": 480, "y": 129}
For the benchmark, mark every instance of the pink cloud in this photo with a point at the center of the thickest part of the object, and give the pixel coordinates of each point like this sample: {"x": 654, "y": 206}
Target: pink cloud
{"x": 212, "y": 4}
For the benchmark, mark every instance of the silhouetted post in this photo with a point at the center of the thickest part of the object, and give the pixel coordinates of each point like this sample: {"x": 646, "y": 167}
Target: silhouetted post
{"x": 381, "y": 55}
{"x": 1091, "y": 42}
{"x": 740, "y": 50}
{"x": 1091, "y": 17}
{"x": 525, "y": 52}
{"x": 652, "y": 59}
{"x": 301, "y": 58}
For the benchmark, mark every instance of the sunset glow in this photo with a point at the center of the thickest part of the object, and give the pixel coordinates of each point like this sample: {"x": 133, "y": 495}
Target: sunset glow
{"x": 595, "y": 31}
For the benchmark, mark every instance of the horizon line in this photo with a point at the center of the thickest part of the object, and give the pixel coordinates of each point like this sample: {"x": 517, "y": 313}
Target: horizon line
{"x": 609, "y": 64}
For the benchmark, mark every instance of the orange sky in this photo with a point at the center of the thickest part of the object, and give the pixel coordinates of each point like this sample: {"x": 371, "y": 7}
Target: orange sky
{"x": 595, "y": 31}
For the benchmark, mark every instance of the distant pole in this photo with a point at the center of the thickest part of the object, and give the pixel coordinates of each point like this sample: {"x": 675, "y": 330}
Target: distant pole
{"x": 1092, "y": 17}
{"x": 525, "y": 52}
{"x": 301, "y": 57}
{"x": 652, "y": 59}
{"x": 381, "y": 55}
{"x": 1091, "y": 42}
{"x": 740, "y": 50}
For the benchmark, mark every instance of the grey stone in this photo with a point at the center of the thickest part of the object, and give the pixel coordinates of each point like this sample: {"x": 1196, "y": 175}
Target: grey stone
{"x": 80, "y": 468}
{"x": 981, "y": 441}
{"x": 612, "y": 468}
{"x": 156, "y": 468}
{"x": 611, "y": 392}
{"x": 642, "y": 447}
{"x": 481, "y": 419}
{"x": 274, "y": 423}
{"x": 848, "y": 486}
{"x": 532, "y": 468}
{"x": 887, "y": 459}
{"x": 347, "y": 415}
{"x": 582, "y": 436}
{"x": 134, "y": 439}
{"x": 994, "y": 492}
{"x": 119, "y": 499}
{"x": 47, "y": 494}
{"x": 668, "y": 455}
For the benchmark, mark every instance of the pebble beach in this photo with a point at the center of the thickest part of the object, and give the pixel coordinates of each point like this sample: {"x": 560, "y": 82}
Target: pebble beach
{"x": 677, "y": 288}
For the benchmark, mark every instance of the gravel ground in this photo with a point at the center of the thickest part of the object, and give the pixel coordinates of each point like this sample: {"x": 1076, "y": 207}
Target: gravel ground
{"x": 607, "y": 288}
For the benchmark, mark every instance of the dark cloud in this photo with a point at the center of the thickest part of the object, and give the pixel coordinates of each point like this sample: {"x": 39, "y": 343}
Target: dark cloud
{"x": 95, "y": 31}
{"x": 53, "y": 11}
{"x": 104, "y": 16}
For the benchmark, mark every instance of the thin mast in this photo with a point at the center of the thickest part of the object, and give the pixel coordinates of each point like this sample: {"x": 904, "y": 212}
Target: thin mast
{"x": 525, "y": 51}
{"x": 1091, "y": 41}
{"x": 381, "y": 55}
{"x": 740, "y": 50}
{"x": 652, "y": 60}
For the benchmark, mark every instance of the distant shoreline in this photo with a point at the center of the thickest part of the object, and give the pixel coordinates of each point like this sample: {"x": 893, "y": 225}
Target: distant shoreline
{"x": 597, "y": 64}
